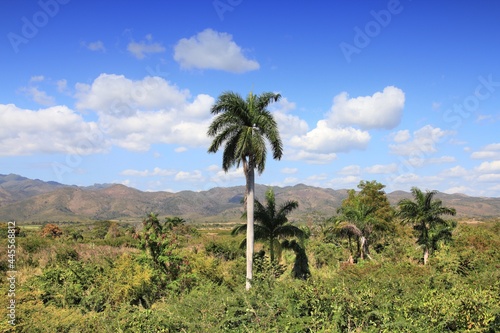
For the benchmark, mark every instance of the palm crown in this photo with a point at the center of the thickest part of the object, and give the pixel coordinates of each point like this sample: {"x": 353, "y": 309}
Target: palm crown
{"x": 243, "y": 126}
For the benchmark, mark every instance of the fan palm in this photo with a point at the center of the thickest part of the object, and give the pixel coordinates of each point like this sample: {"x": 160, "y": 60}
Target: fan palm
{"x": 243, "y": 126}
{"x": 425, "y": 214}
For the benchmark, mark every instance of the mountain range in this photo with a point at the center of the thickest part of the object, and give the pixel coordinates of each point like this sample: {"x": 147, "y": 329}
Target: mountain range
{"x": 32, "y": 201}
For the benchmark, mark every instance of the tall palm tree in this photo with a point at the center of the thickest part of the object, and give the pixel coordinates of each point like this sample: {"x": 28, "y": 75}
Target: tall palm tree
{"x": 425, "y": 215}
{"x": 272, "y": 223}
{"x": 243, "y": 126}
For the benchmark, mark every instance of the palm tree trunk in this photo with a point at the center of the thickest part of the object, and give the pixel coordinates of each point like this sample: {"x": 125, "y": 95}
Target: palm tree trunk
{"x": 426, "y": 255}
{"x": 250, "y": 175}
{"x": 271, "y": 249}
{"x": 351, "y": 260}
{"x": 362, "y": 246}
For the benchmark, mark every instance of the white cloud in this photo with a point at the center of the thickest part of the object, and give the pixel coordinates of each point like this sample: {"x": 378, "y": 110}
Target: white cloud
{"x": 135, "y": 114}
{"x": 344, "y": 182}
{"x": 411, "y": 179}
{"x": 319, "y": 177}
{"x": 52, "y": 130}
{"x": 290, "y": 180}
{"x": 456, "y": 171}
{"x": 381, "y": 110}
{"x": 424, "y": 142}
{"x": 441, "y": 160}
{"x": 180, "y": 149}
{"x": 458, "y": 189}
{"x": 288, "y": 124}
{"x": 491, "y": 151}
{"x": 37, "y": 78}
{"x": 220, "y": 177}
{"x": 119, "y": 96}
{"x": 144, "y": 47}
{"x": 148, "y": 173}
{"x": 310, "y": 157}
{"x": 382, "y": 168}
{"x": 493, "y": 166}
{"x": 62, "y": 85}
{"x": 324, "y": 139}
{"x": 350, "y": 170}
{"x": 39, "y": 96}
{"x": 95, "y": 46}
{"x": 401, "y": 136}
{"x": 489, "y": 178}
{"x": 289, "y": 170}
{"x": 210, "y": 49}
{"x": 194, "y": 176}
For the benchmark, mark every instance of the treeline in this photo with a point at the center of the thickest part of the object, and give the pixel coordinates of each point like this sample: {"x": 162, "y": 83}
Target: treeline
{"x": 370, "y": 268}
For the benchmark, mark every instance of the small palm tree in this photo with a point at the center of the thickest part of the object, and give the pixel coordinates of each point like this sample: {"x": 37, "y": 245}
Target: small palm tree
{"x": 356, "y": 220}
{"x": 272, "y": 223}
{"x": 425, "y": 214}
{"x": 243, "y": 126}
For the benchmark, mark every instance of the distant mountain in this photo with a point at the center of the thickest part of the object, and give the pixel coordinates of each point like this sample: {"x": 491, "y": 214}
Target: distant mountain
{"x": 26, "y": 200}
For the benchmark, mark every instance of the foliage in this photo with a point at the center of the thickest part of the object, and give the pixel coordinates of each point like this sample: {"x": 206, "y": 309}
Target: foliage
{"x": 51, "y": 230}
{"x": 272, "y": 223}
{"x": 92, "y": 287}
{"x": 425, "y": 215}
{"x": 161, "y": 243}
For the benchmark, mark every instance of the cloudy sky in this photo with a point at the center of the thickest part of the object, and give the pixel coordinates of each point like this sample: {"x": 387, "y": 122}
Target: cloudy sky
{"x": 403, "y": 92}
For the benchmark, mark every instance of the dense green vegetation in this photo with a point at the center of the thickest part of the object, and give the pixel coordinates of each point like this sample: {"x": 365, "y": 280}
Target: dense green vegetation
{"x": 165, "y": 275}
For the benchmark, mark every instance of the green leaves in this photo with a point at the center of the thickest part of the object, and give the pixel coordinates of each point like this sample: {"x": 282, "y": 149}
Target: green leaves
{"x": 424, "y": 213}
{"x": 243, "y": 126}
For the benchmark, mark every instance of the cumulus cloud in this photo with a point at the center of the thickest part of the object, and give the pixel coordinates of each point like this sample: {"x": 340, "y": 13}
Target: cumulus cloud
{"x": 350, "y": 170}
{"x": 382, "y": 168}
{"x": 191, "y": 176}
{"x": 493, "y": 166}
{"x": 39, "y": 96}
{"x": 52, "y": 130}
{"x": 310, "y": 157}
{"x": 210, "y": 49}
{"x": 220, "y": 177}
{"x": 456, "y": 171}
{"x": 424, "y": 142}
{"x": 136, "y": 113}
{"x": 401, "y": 136}
{"x": 141, "y": 49}
{"x": 344, "y": 182}
{"x": 119, "y": 96}
{"x": 325, "y": 139}
{"x": 288, "y": 125}
{"x": 491, "y": 151}
{"x": 381, "y": 110}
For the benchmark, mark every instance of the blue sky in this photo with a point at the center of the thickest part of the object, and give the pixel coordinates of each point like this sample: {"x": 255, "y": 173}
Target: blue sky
{"x": 403, "y": 92}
